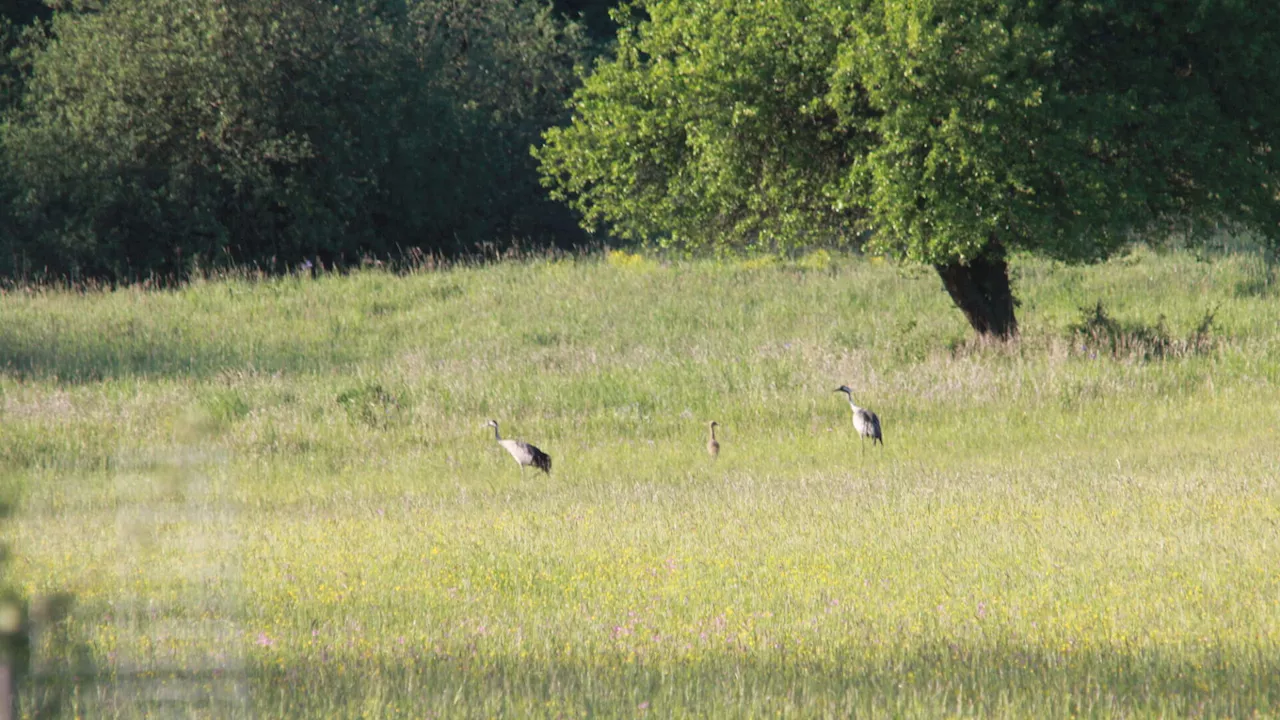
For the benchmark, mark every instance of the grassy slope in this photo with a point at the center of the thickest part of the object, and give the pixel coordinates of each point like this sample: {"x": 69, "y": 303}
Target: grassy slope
{"x": 276, "y": 497}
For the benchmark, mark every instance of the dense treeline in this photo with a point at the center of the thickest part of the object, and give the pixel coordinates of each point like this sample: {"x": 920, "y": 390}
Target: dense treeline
{"x": 148, "y": 137}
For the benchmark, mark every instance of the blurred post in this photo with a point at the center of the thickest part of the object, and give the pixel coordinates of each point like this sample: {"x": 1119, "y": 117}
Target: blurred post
{"x": 11, "y": 642}
{"x": 7, "y": 709}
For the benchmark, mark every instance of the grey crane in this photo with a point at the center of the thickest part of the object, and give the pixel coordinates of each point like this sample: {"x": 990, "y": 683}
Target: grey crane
{"x": 713, "y": 445}
{"x": 523, "y": 452}
{"x": 864, "y": 421}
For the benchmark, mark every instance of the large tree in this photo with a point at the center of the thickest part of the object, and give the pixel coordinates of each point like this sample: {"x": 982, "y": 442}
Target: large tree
{"x": 946, "y": 132}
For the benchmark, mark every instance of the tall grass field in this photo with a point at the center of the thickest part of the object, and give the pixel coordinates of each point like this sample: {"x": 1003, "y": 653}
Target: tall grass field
{"x": 266, "y": 498}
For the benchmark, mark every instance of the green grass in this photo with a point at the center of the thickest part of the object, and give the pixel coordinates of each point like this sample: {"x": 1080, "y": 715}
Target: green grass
{"x": 276, "y": 497}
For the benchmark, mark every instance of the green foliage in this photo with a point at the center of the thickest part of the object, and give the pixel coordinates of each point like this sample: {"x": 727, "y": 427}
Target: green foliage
{"x": 156, "y": 136}
{"x": 16, "y": 42}
{"x": 1060, "y": 128}
{"x": 506, "y": 67}
{"x": 1063, "y": 128}
{"x": 708, "y": 128}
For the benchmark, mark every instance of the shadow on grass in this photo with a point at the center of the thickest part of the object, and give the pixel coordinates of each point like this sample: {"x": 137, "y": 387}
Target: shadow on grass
{"x": 927, "y": 683}
{"x": 32, "y": 632}
{"x": 81, "y": 357}
{"x": 56, "y": 662}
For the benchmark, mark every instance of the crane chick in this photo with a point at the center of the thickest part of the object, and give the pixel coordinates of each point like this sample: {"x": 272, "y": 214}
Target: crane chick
{"x": 864, "y": 421}
{"x": 713, "y": 445}
{"x": 523, "y": 452}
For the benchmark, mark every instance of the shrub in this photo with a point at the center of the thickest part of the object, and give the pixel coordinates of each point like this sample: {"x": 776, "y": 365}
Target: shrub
{"x": 1098, "y": 333}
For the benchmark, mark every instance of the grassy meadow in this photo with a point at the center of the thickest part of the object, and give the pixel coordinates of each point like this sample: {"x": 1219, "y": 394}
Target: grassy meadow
{"x": 275, "y": 497}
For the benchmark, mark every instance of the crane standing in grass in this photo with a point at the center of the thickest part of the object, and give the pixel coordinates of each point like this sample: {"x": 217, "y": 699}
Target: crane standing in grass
{"x": 523, "y": 452}
{"x": 713, "y": 445}
{"x": 864, "y": 421}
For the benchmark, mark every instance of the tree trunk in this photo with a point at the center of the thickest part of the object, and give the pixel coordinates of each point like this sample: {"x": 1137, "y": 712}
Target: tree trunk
{"x": 980, "y": 288}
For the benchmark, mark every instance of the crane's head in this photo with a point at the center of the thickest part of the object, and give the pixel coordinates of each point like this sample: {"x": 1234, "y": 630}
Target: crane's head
{"x": 844, "y": 389}
{"x": 715, "y": 424}
{"x": 492, "y": 423}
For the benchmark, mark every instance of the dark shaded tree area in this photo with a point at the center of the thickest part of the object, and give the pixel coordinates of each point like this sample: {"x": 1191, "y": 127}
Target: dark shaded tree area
{"x": 593, "y": 14}
{"x": 149, "y": 137}
{"x": 24, "y": 12}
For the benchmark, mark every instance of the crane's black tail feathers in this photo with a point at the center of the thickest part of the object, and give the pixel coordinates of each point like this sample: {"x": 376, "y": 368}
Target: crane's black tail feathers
{"x": 542, "y": 461}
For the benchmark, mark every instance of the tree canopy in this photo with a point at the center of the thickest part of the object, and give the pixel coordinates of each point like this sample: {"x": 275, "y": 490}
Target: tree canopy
{"x": 708, "y": 127}
{"x": 948, "y": 132}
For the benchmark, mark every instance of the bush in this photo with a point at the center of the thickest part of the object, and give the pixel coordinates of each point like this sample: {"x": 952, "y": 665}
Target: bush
{"x": 1098, "y": 333}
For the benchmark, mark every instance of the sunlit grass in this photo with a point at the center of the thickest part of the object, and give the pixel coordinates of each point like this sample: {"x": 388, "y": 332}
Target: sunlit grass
{"x": 276, "y": 497}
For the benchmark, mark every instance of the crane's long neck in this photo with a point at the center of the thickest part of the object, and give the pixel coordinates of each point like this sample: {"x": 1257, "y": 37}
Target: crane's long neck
{"x": 713, "y": 432}
{"x": 496, "y": 436}
{"x": 852, "y": 404}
